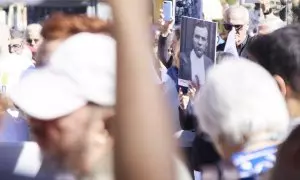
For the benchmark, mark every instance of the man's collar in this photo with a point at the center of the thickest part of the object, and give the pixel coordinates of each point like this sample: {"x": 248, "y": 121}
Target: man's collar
{"x": 194, "y": 56}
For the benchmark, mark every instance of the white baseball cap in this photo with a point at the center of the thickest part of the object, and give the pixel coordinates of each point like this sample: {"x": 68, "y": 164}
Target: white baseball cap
{"x": 81, "y": 70}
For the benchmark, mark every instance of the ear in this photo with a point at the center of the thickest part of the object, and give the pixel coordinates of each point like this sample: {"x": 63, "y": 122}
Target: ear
{"x": 281, "y": 84}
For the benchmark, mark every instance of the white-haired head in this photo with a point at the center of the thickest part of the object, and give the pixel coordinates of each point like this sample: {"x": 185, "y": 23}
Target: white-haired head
{"x": 236, "y": 15}
{"x": 240, "y": 104}
{"x": 34, "y": 27}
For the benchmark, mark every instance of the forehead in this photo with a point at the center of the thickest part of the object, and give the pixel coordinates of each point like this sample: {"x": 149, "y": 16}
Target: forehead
{"x": 33, "y": 35}
{"x": 79, "y": 116}
{"x": 201, "y": 31}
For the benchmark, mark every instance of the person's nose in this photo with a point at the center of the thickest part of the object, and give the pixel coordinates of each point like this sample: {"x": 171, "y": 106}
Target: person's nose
{"x": 32, "y": 43}
{"x": 237, "y": 31}
{"x": 200, "y": 42}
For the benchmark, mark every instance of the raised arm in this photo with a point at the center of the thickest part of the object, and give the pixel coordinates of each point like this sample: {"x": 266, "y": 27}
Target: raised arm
{"x": 143, "y": 138}
{"x": 163, "y": 50}
{"x": 164, "y": 41}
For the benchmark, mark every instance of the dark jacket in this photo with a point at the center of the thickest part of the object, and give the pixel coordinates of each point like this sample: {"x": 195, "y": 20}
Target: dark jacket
{"x": 203, "y": 151}
{"x": 163, "y": 50}
{"x": 186, "y": 65}
{"x": 243, "y": 50}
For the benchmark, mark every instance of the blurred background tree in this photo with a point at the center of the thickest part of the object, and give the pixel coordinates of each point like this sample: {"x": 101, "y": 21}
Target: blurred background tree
{"x": 230, "y": 2}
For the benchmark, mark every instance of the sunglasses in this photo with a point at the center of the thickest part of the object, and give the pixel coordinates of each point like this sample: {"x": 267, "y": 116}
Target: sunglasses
{"x": 229, "y": 27}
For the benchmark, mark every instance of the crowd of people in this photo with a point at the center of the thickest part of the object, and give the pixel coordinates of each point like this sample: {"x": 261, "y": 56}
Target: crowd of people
{"x": 89, "y": 99}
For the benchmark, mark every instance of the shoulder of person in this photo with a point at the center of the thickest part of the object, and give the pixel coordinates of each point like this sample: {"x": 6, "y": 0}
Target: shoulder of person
{"x": 251, "y": 39}
{"x": 184, "y": 57}
{"x": 208, "y": 60}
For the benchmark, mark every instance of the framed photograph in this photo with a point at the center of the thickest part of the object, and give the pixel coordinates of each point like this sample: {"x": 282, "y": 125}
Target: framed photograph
{"x": 197, "y": 50}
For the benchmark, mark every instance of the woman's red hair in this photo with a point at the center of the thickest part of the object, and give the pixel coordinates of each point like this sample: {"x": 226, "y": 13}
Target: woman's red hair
{"x": 61, "y": 26}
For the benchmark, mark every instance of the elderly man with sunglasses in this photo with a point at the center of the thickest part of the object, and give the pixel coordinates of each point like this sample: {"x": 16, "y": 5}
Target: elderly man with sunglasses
{"x": 237, "y": 17}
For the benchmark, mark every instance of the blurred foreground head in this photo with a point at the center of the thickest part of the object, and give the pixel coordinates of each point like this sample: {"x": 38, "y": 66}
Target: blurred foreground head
{"x": 61, "y": 26}
{"x": 240, "y": 106}
{"x": 279, "y": 53}
{"x": 70, "y": 101}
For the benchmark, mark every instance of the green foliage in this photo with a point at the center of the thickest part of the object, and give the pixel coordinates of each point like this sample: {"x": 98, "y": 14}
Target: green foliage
{"x": 230, "y": 2}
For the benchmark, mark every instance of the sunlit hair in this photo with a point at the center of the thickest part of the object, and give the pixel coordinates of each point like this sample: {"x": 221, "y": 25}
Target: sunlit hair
{"x": 33, "y": 28}
{"x": 61, "y": 26}
{"x": 241, "y": 100}
{"x": 237, "y": 11}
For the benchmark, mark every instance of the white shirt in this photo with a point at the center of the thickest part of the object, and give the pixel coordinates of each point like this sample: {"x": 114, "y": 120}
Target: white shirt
{"x": 198, "y": 68}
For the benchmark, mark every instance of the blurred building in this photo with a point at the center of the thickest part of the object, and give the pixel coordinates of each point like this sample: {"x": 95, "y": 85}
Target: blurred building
{"x": 19, "y": 15}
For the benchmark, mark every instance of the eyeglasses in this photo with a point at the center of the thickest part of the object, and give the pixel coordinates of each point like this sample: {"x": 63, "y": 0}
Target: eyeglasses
{"x": 16, "y": 45}
{"x": 229, "y": 27}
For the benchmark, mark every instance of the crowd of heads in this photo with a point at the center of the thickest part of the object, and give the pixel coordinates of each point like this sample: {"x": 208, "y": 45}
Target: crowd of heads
{"x": 245, "y": 105}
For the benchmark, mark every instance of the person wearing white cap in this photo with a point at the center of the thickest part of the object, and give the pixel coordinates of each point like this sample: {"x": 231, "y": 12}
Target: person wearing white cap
{"x": 70, "y": 103}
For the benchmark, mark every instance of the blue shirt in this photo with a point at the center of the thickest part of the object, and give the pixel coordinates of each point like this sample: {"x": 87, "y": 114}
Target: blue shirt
{"x": 14, "y": 129}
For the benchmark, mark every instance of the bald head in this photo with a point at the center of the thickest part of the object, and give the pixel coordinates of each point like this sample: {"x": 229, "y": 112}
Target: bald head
{"x": 33, "y": 35}
{"x": 237, "y": 15}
